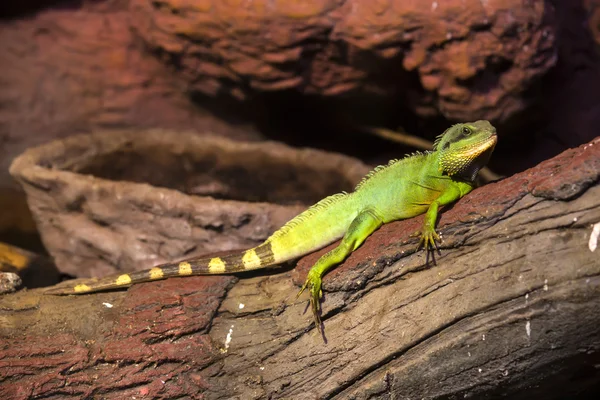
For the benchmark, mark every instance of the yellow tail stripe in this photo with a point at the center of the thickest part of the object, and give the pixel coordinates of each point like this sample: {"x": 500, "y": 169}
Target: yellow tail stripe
{"x": 185, "y": 268}
{"x": 156, "y": 273}
{"x": 250, "y": 259}
{"x": 216, "y": 266}
{"x": 124, "y": 279}
{"x": 81, "y": 288}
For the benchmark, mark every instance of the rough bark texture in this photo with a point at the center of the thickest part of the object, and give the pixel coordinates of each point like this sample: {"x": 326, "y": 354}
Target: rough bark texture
{"x": 120, "y": 201}
{"x": 510, "y": 308}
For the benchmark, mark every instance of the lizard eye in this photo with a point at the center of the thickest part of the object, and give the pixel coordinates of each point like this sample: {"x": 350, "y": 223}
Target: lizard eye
{"x": 466, "y": 131}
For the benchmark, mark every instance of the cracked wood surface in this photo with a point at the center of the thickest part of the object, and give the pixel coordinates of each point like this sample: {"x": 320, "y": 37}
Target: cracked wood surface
{"x": 510, "y": 308}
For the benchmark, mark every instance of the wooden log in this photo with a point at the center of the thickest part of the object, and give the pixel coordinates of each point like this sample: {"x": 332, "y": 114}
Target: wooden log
{"x": 510, "y": 308}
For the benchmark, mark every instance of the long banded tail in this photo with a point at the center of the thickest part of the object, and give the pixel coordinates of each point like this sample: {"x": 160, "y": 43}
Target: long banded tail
{"x": 316, "y": 227}
{"x": 257, "y": 257}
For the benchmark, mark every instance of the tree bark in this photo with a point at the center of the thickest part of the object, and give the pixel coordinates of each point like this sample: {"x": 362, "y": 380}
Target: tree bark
{"x": 510, "y": 308}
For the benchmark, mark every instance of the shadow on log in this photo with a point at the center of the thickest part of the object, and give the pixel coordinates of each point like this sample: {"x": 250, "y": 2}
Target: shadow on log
{"x": 511, "y": 308}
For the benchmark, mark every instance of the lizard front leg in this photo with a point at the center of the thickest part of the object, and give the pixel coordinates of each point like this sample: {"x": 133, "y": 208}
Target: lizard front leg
{"x": 365, "y": 223}
{"x": 428, "y": 235}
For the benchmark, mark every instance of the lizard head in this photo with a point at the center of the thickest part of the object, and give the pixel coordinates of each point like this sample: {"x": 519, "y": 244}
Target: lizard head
{"x": 463, "y": 149}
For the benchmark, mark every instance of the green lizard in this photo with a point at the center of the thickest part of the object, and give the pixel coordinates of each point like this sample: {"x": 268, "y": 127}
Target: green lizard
{"x": 404, "y": 188}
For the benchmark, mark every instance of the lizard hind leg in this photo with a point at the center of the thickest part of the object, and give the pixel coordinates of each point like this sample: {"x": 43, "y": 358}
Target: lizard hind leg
{"x": 365, "y": 223}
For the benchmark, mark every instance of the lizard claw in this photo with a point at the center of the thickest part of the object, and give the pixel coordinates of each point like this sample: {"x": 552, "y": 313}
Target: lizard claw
{"x": 428, "y": 239}
{"x": 313, "y": 283}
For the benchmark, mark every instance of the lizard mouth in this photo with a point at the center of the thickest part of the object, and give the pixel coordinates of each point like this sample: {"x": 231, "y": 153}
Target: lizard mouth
{"x": 477, "y": 149}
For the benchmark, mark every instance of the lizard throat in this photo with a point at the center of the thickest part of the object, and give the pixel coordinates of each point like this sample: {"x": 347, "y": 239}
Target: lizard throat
{"x": 466, "y": 161}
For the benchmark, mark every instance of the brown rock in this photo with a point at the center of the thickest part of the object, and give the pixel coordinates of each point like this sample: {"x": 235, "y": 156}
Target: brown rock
{"x": 474, "y": 59}
{"x": 119, "y": 64}
{"x": 71, "y": 71}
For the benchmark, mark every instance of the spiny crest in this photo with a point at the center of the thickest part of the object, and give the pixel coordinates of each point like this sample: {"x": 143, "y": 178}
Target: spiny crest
{"x": 437, "y": 141}
{"x": 438, "y": 138}
{"x": 389, "y": 164}
{"x": 326, "y": 202}
{"x": 374, "y": 171}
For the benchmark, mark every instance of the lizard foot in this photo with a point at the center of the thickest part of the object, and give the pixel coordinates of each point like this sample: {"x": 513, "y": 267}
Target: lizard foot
{"x": 313, "y": 283}
{"x": 427, "y": 239}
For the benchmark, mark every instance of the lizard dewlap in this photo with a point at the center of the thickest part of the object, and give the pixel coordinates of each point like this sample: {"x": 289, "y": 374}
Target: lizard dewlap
{"x": 404, "y": 188}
